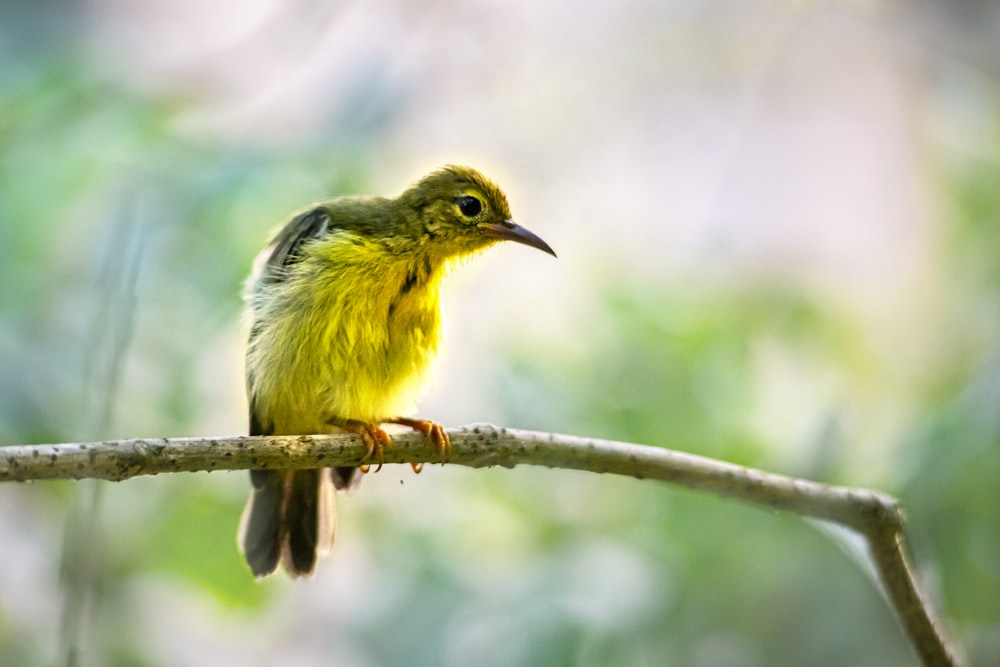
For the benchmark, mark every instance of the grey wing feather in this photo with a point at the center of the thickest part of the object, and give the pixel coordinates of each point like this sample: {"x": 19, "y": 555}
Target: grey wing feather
{"x": 285, "y": 248}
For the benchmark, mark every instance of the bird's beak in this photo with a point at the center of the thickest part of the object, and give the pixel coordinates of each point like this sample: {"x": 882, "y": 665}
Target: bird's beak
{"x": 508, "y": 230}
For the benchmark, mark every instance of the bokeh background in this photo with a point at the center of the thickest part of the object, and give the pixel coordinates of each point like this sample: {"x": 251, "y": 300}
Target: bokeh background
{"x": 778, "y": 227}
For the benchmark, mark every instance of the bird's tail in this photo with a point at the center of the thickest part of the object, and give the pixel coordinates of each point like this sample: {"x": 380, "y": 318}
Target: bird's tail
{"x": 289, "y": 519}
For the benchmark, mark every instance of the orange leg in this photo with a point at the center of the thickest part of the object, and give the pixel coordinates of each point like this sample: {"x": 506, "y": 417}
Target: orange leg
{"x": 432, "y": 430}
{"x": 376, "y": 440}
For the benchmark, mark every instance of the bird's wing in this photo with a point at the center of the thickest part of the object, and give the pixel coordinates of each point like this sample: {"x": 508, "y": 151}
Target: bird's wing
{"x": 303, "y": 499}
{"x": 271, "y": 267}
{"x": 285, "y": 249}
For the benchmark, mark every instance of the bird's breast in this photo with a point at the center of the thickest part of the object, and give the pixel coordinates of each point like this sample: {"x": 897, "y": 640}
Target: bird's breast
{"x": 356, "y": 340}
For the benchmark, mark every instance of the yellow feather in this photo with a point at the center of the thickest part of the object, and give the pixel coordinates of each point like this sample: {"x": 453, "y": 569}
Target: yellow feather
{"x": 339, "y": 339}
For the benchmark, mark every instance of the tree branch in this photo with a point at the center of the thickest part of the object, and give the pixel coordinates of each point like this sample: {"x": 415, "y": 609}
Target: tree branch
{"x": 875, "y": 515}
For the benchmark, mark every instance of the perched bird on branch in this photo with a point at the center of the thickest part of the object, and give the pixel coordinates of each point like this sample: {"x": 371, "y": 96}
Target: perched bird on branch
{"x": 345, "y": 321}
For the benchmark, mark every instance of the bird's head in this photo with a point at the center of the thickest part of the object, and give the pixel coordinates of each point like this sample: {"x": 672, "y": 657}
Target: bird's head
{"x": 462, "y": 211}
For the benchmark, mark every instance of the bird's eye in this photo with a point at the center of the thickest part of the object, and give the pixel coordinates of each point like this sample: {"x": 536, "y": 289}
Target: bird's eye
{"x": 469, "y": 206}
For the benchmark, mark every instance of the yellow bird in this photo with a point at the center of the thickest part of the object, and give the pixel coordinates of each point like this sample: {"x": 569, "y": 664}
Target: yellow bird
{"x": 345, "y": 321}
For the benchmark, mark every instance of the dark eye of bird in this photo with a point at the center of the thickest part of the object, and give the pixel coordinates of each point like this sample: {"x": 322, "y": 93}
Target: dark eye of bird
{"x": 469, "y": 206}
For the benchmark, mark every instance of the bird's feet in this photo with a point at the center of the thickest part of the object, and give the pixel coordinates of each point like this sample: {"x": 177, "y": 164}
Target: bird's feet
{"x": 376, "y": 440}
{"x": 438, "y": 437}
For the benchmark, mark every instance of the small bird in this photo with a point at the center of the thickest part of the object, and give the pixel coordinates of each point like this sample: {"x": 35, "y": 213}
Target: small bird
{"x": 345, "y": 322}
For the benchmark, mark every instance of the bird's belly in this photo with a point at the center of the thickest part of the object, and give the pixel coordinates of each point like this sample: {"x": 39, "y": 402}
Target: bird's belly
{"x": 370, "y": 369}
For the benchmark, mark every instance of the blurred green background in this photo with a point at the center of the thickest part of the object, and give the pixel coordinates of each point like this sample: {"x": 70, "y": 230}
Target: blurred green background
{"x": 779, "y": 237}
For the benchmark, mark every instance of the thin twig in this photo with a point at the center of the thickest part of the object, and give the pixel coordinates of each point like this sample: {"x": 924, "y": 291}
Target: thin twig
{"x": 873, "y": 514}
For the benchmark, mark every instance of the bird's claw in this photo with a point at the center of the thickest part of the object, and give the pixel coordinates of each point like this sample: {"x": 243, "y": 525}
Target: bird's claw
{"x": 376, "y": 440}
{"x": 432, "y": 430}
